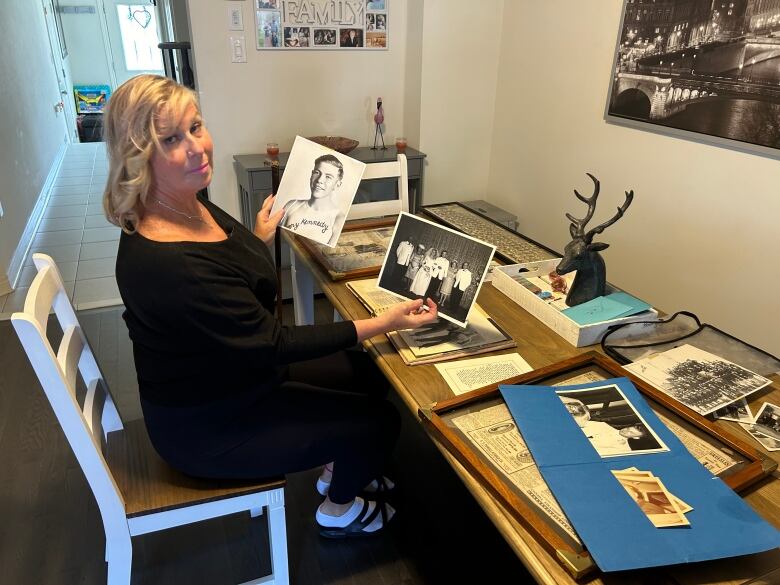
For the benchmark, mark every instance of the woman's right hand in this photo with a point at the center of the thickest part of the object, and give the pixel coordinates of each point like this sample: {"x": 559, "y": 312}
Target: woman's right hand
{"x": 265, "y": 223}
{"x": 406, "y": 315}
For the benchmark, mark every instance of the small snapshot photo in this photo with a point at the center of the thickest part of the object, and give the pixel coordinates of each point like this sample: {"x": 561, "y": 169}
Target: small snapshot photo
{"x": 325, "y": 37}
{"x": 296, "y": 36}
{"x": 738, "y": 411}
{"x": 375, "y": 4}
{"x": 268, "y": 29}
{"x": 370, "y": 21}
{"x": 381, "y": 22}
{"x": 610, "y": 421}
{"x": 316, "y": 191}
{"x": 267, "y": 4}
{"x": 661, "y": 507}
{"x": 766, "y": 429}
{"x": 351, "y": 37}
{"x": 426, "y": 260}
{"x": 376, "y": 40}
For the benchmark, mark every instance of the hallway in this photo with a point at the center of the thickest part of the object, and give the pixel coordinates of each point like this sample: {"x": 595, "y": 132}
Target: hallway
{"x": 76, "y": 234}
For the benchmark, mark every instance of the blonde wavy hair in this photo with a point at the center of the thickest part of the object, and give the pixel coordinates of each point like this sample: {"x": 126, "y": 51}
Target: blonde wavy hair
{"x": 135, "y": 114}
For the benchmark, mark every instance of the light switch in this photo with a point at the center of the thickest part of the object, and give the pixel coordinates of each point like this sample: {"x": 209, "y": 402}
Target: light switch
{"x": 235, "y": 18}
{"x": 238, "y": 49}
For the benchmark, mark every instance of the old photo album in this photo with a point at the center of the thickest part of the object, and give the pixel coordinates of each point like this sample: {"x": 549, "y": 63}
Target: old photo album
{"x": 316, "y": 191}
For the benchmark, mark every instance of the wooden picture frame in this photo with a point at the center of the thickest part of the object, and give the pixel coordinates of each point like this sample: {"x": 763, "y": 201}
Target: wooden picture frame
{"x": 511, "y": 246}
{"x": 329, "y": 258}
{"x": 750, "y": 465}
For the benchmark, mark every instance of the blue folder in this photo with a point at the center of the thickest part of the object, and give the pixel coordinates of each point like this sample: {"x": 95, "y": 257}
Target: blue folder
{"x": 615, "y": 531}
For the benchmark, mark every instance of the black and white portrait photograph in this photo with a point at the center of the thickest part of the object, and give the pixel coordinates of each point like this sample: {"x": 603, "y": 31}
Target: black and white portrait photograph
{"x": 610, "y": 421}
{"x": 325, "y": 37}
{"x": 316, "y": 191}
{"x": 351, "y": 37}
{"x": 426, "y": 260}
{"x": 712, "y": 68}
{"x": 700, "y": 380}
{"x": 766, "y": 429}
{"x": 295, "y": 36}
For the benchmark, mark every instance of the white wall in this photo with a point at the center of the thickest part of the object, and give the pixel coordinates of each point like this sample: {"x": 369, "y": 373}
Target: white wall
{"x": 702, "y": 231}
{"x": 280, "y": 93}
{"x": 32, "y": 133}
{"x": 461, "y": 42}
{"x": 86, "y": 47}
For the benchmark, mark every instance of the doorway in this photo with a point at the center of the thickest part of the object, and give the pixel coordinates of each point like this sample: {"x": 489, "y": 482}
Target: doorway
{"x": 134, "y": 31}
{"x": 60, "y": 58}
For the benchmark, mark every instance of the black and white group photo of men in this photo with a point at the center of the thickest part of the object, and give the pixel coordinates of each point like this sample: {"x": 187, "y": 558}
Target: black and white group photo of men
{"x": 426, "y": 260}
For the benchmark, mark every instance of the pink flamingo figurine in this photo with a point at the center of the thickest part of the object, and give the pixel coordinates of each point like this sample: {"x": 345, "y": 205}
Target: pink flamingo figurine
{"x": 379, "y": 119}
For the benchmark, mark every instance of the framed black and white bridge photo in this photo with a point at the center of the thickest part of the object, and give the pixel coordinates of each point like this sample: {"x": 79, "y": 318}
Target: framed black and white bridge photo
{"x": 700, "y": 69}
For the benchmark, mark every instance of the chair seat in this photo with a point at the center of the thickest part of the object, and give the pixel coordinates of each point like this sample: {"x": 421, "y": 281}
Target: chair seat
{"x": 148, "y": 484}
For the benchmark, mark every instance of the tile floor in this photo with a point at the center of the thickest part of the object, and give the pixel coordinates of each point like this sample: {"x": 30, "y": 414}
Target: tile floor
{"x": 75, "y": 233}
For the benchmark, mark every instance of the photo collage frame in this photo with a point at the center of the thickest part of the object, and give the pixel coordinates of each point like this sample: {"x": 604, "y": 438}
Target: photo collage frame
{"x": 321, "y": 24}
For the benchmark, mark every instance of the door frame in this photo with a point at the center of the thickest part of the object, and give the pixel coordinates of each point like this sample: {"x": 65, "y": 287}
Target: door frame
{"x": 64, "y": 85}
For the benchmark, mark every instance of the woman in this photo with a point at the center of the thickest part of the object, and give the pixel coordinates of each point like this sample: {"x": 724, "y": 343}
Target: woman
{"x": 224, "y": 388}
{"x": 415, "y": 260}
{"x": 446, "y": 285}
{"x": 422, "y": 279}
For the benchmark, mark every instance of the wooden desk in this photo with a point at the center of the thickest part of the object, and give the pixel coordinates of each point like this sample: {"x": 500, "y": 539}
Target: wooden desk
{"x": 422, "y": 385}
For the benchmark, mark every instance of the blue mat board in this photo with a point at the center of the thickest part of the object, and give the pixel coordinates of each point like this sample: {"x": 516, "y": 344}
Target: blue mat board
{"x": 616, "y": 532}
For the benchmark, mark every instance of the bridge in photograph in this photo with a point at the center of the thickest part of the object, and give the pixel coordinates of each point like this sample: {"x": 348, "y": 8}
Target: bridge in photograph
{"x": 663, "y": 84}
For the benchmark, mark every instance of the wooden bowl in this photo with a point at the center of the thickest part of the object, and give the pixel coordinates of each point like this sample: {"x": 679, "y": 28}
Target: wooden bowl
{"x": 337, "y": 143}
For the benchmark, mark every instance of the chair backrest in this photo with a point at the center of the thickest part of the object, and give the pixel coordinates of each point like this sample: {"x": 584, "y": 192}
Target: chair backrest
{"x": 85, "y": 426}
{"x": 383, "y": 170}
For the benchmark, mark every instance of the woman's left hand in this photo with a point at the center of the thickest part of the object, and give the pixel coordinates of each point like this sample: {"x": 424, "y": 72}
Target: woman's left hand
{"x": 265, "y": 223}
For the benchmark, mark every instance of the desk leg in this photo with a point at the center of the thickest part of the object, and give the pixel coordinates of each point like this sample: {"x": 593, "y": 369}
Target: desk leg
{"x": 303, "y": 291}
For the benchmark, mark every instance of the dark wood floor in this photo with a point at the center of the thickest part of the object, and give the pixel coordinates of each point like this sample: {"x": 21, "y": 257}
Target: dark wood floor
{"x": 52, "y": 533}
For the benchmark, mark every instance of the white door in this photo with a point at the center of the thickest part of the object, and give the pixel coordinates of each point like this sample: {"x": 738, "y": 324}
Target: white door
{"x": 59, "y": 57}
{"x": 133, "y": 34}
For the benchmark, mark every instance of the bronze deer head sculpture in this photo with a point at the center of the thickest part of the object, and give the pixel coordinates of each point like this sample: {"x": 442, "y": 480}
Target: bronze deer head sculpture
{"x": 582, "y": 254}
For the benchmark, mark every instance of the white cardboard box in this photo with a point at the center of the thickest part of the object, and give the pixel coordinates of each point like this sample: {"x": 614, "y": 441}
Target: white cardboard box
{"x": 576, "y": 334}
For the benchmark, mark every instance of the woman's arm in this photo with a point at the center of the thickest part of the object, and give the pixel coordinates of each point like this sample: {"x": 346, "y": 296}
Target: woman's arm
{"x": 407, "y": 315}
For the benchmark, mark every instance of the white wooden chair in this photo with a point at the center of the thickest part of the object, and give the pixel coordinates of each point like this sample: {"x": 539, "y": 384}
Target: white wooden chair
{"x": 384, "y": 170}
{"x": 136, "y": 491}
{"x": 302, "y": 279}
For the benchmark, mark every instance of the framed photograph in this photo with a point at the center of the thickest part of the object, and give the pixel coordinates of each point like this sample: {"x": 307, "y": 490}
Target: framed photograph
{"x": 347, "y": 25}
{"x": 479, "y": 431}
{"x": 359, "y": 252}
{"x": 511, "y": 247}
{"x": 427, "y": 260}
{"x": 316, "y": 191}
{"x": 269, "y": 28}
{"x": 704, "y": 71}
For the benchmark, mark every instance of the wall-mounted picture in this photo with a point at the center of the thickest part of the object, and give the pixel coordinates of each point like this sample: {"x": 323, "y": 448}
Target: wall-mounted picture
{"x": 323, "y": 24}
{"x": 325, "y": 37}
{"x": 351, "y": 37}
{"x": 268, "y": 29}
{"x": 295, "y": 36}
{"x": 316, "y": 191}
{"x": 700, "y": 69}
{"x": 427, "y": 260}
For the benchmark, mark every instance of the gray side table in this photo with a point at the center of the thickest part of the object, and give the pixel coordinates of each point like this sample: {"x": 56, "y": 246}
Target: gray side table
{"x": 254, "y": 176}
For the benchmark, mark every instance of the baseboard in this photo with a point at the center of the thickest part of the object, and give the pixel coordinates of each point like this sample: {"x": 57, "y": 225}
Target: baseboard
{"x": 26, "y": 240}
{"x": 5, "y": 285}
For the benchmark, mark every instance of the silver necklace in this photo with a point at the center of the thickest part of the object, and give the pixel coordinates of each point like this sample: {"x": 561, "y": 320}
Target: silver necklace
{"x": 191, "y": 217}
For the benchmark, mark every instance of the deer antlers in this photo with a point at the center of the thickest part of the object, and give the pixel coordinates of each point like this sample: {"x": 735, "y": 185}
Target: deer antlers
{"x": 577, "y": 227}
